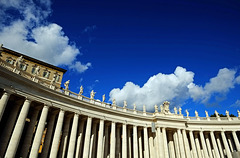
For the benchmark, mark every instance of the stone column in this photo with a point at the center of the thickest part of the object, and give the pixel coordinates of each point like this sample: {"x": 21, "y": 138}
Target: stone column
{"x": 7, "y": 131}
{"x": 214, "y": 144}
{"x": 57, "y": 134}
{"x": 106, "y": 146}
{"x": 118, "y": 142}
{"x": 198, "y": 145}
{"x": 124, "y": 141}
{"x": 64, "y": 139}
{"x": 160, "y": 142}
{"x": 229, "y": 155}
{"x": 129, "y": 143}
{"x": 194, "y": 150}
{"x": 230, "y": 142}
{"x": 151, "y": 144}
{"x": 175, "y": 138}
{"x": 203, "y": 144}
{"x": 140, "y": 143}
{"x": 87, "y": 138}
{"x": 166, "y": 155}
{"x": 100, "y": 139}
{"x": 3, "y": 103}
{"x": 180, "y": 141}
{"x": 93, "y": 140}
{"x": 17, "y": 132}
{"x": 186, "y": 144}
{"x": 171, "y": 145}
{"x": 49, "y": 134}
{"x": 219, "y": 145}
{"x": 236, "y": 141}
{"x": 39, "y": 132}
{"x": 80, "y": 140}
{"x": 209, "y": 146}
{"x": 146, "y": 148}
{"x": 135, "y": 142}
{"x": 72, "y": 141}
{"x": 113, "y": 140}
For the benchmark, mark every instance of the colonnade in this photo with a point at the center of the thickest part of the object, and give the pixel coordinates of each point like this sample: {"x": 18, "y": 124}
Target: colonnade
{"x": 32, "y": 129}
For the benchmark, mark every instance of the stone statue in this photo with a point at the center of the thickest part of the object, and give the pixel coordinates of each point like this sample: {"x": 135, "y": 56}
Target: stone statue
{"x": 216, "y": 113}
{"x": 206, "y": 113}
{"x": 134, "y": 106}
{"x": 175, "y": 110}
{"x": 18, "y": 61}
{"x": 144, "y": 108}
{"x": 81, "y": 90}
{"x": 156, "y": 108}
{"x": 124, "y": 104}
{"x": 227, "y": 113}
{"x": 103, "y": 98}
{"x": 187, "y": 113}
{"x": 92, "y": 94}
{"x": 161, "y": 108}
{"x": 37, "y": 71}
{"x": 166, "y": 107}
{"x": 66, "y": 84}
{"x": 114, "y": 102}
{"x": 238, "y": 113}
{"x": 196, "y": 113}
{"x": 180, "y": 111}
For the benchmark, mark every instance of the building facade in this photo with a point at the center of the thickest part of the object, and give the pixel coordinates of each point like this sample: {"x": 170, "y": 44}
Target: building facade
{"x": 40, "y": 119}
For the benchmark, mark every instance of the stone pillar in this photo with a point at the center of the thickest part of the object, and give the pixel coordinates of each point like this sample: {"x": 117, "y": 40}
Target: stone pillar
{"x": 49, "y": 134}
{"x": 140, "y": 143}
{"x": 64, "y": 139}
{"x": 175, "y": 138}
{"x": 79, "y": 140}
{"x": 229, "y": 155}
{"x": 17, "y": 132}
{"x": 236, "y": 141}
{"x": 214, "y": 144}
{"x": 194, "y": 150}
{"x": 93, "y": 140}
{"x": 186, "y": 144}
{"x": 198, "y": 145}
{"x": 87, "y": 138}
{"x": 100, "y": 139}
{"x": 219, "y": 145}
{"x": 230, "y": 142}
{"x": 209, "y": 146}
{"x": 135, "y": 142}
{"x": 151, "y": 144}
{"x": 7, "y": 131}
{"x": 171, "y": 145}
{"x": 39, "y": 132}
{"x": 3, "y": 103}
{"x": 72, "y": 141}
{"x": 160, "y": 142}
{"x": 146, "y": 144}
{"x": 118, "y": 142}
{"x": 180, "y": 141}
{"x": 57, "y": 134}
{"x": 124, "y": 141}
{"x": 106, "y": 146}
{"x": 129, "y": 143}
{"x": 113, "y": 140}
{"x": 203, "y": 144}
{"x": 166, "y": 155}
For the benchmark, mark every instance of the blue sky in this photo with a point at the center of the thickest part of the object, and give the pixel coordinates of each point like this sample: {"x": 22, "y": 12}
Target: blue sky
{"x": 144, "y": 52}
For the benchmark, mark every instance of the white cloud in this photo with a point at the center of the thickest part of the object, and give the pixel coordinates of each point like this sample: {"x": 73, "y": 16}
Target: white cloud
{"x": 176, "y": 88}
{"x": 30, "y": 34}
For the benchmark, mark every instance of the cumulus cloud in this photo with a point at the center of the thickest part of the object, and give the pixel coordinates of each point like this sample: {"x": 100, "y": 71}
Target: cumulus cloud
{"x": 29, "y": 32}
{"x": 176, "y": 88}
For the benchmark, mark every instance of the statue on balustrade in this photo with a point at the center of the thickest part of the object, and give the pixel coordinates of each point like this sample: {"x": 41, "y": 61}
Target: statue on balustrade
{"x": 66, "y": 84}
{"x": 216, "y": 113}
{"x": 103, "y": 98}
{"x": 196, "y": 114}
{"x": 187, "y": 113}
{"x": 124, "y": 104}
{"x": 92, "y": 94}
{"x": 134, "y": 106}
{"x": 180, "y": 111}
{"x": 206, "y": 113}
{"x": 227, "y": 113}
{"x": 114, "y": 102}
{"x": 175, "y": 110}
{"x": 81, "y": 90}
{"x": 156, "y": 108}
{"x": 166, "y": 107}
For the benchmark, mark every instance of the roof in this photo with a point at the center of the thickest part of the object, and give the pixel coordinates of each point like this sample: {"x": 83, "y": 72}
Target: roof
{"x": 32, "y": 59}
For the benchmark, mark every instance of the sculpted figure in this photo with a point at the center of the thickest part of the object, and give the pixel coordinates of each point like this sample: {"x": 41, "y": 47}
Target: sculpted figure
{"x": 66, "y": 84}
{"x": 175, "y": 110}
{"x": 114, "y": 102}
{"x": 216, "y": 113}
{"x": 134, "y": 106}
{"x": 18, "y": 61}
{"x": 180, "y": 111}
{"x": 81, "y": 90}
{"x": 124, "y": 104}
{"x": 187, "y": 113}
{"x": 156, "y": 108}
{"x": 206, "y": 113}
{"x": 227, "y": 113}
{"x": 166, "y": 106}
{"x": 103, "y": 98}
{"x": 144, "y": 108}
{"x": 37, "y": 71}
{"x": 161, "y": 108}
{"x": 92, "y": 94}
{"x": 196, "y": 113}
{"x": 238, "y": 113}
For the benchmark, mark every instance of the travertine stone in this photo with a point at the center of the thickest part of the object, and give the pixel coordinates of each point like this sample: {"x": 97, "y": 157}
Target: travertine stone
{"x": 113, "y": 140}
{"x": 100, "y": 139}
{"x": 194, "y": 150}
{"x": 3, "y": 103}
{"x": 135, "y": 142}
{"x": 146, "y": 144}
{"x": 87, "y": 137}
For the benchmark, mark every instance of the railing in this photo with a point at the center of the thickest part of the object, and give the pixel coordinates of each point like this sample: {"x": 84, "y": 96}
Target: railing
{"x": 44, "y": 83}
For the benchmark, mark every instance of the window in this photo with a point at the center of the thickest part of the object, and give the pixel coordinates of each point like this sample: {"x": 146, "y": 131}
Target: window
{"x": 23, "y": 66}
{"x": 10, "y": 61}
{"x": 33, "y": 70}
{"x": 46, "y": 74}
{"x": 57, "y": 78}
